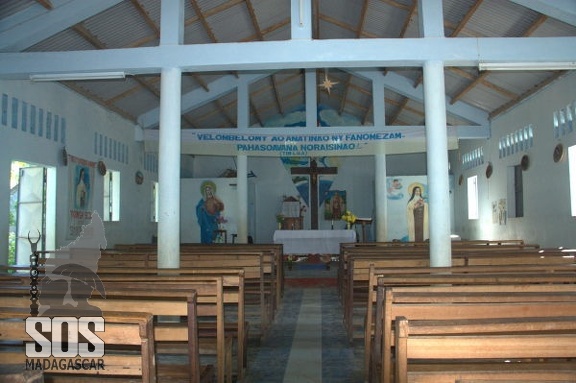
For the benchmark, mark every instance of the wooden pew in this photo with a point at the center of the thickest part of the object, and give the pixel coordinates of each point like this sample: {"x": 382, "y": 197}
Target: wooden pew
{"x": 404, "y": 248}
{"x": 460, "y": 254}
{"x": 233, "y": 298}
{"x": 209, "y": 305}
{"x": 532, "y": 378}
{"x": 275, "y": 250}
{"x": 260, "y": 286}
{"x": 496, "y": 300}
{"x": 121, "y": 329}
{"x": 374, "y": 300}
{"x": 357, "y": 282}
{"x": 537, "y": 346}
{"x": 179, "y": 301}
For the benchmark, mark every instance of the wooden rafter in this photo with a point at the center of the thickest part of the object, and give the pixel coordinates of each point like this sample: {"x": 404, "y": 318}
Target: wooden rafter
{"x": 105, "y": 103}
{"x": 46, "y": 4}
{"x": 359, "y": 32}
{"x": 142, "y": 11}
{"x": 482, "y": 78}
{"x": 411, "y": 12}
{"x": 457, "y": 29}
{"x": 399, "y": 110}
{"x": 526, "y": 94}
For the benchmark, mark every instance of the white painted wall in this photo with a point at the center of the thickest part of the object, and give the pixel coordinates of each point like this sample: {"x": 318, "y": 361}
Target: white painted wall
{"x": 84, "y": 119}
{"x": 273, "y": 181}
{"x": 547, "y": 219}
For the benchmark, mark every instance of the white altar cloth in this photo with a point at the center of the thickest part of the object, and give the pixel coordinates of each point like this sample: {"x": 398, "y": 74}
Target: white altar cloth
{"x": 313, "y": 241}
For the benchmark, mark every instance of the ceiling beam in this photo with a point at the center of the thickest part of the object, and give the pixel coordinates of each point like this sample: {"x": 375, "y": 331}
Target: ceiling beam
{"x": 339, "y": 53}
{"x": 199, "y": 97}
{"x": 404, "y": 86}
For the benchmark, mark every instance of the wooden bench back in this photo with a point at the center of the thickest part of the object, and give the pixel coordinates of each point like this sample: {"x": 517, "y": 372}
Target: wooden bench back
{"x": 179, "y": 300}
{"x": 530, "y": 340}
{"x": 121, "y": 329}
{"x": 470, "y": 303}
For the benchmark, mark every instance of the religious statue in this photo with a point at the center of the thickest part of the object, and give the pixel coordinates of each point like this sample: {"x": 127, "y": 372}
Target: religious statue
{"x": 208, "y": 211}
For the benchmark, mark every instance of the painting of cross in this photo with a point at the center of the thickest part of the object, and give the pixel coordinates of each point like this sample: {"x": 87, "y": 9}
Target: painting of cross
{"x": 314, "y": 171}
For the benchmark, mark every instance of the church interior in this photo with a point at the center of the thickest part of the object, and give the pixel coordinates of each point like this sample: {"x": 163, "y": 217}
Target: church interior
{"x": 259, "y": 191}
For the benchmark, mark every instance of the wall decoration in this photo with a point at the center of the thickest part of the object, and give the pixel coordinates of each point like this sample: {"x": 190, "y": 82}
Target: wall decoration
{"x": 334, "y": 204}
{"x": 80, "y": 199}
{"x": 494, "y": 211}
{"x": 394, "y": 188}
{"x": 558, "y": 153}
{"x": 525, "y": 162}
{"x": 64, "y": 157}
{"x": 489, "y": 170}
{"x": 502, "y": 211}
{"x": 139, "y": 178}
{"x": 102, "y": 168}
{"x": 407, "y": 198}
{"x": 192, "y": 200}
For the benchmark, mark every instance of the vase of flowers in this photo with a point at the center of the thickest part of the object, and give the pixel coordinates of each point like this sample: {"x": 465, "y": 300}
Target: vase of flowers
{"x": 349, "y": 218}
{"x": 290, "y": 260}
{"x": 279, "y": 220}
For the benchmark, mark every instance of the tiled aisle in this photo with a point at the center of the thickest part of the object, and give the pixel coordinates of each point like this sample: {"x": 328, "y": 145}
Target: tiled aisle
{"x": 307, "y": 342}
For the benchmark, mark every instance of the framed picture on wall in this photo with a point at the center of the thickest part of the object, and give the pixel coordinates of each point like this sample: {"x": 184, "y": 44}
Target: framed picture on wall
{"x": 334, "y": 204}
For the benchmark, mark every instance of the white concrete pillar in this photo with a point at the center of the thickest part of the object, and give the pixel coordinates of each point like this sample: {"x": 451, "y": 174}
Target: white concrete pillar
{"x": 242, "y": 190}
{"x": 437, "y": 159}
{"x": 169, "y": 170}
{"x": 380, "y": 193}
{"x": 381, "y": 200}
{"x": 311, "y": 88}
{"x": 301, "y": 19}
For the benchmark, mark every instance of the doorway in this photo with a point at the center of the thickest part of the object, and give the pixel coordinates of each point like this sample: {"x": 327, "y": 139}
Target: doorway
{"x": 32, "y": 210}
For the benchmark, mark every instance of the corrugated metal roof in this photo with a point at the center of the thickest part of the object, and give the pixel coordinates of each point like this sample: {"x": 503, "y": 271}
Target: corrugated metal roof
{"x": 136, "y": 23}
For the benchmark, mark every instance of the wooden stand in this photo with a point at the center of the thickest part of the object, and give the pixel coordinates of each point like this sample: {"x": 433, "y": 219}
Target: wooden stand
{"x": 291, "y": 211}
{"x": 293, "y": 223}
{"x": 363, "y": 222}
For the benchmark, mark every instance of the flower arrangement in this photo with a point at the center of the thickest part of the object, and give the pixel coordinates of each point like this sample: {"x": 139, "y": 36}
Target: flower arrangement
{"x": 349, "y": 218}
{"x": 290, "y": 259}
{"x": 279, "y": 218}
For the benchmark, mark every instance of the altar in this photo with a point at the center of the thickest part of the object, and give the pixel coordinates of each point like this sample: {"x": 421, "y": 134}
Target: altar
{"x": 299, "y": 242}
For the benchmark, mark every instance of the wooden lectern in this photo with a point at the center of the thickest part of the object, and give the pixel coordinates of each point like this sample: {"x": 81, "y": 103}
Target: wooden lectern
{"x": 363, "y": 222}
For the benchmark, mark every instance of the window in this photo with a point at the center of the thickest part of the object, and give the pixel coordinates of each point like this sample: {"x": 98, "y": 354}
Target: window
{"x": 154, "y": 203}
{"x": 515, "y": 191}
{"x": 572, "y": 170}
{"x": 112, "y": 196}
{"x": 473, "y": 197}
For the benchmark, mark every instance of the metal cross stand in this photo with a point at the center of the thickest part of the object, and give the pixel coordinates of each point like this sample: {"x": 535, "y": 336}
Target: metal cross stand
{"x": 34, "y": 257}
